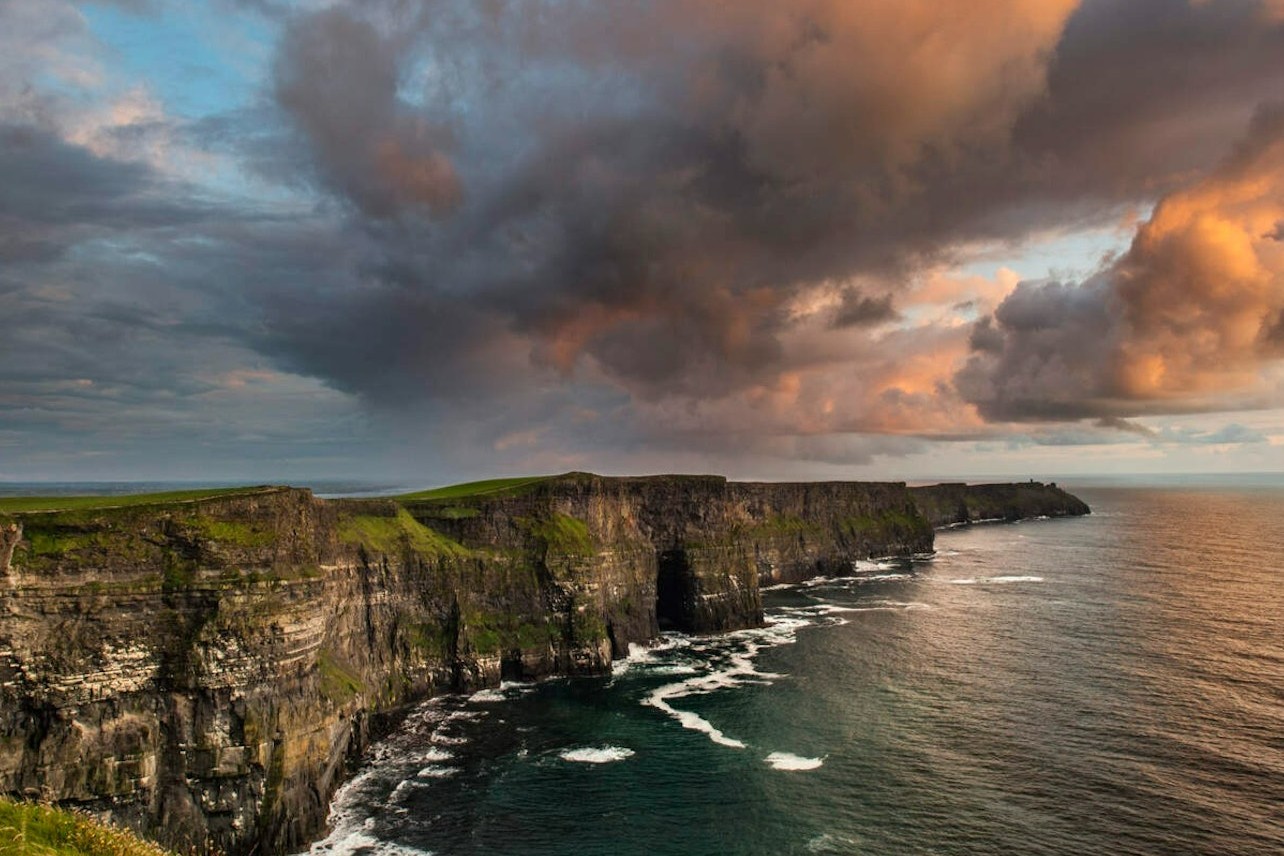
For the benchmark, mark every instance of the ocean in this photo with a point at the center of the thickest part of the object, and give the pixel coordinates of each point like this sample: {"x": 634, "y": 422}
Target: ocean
{"x": 1104, "y": 685}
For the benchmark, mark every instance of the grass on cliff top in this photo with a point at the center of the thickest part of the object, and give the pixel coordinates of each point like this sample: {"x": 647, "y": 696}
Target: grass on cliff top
{"x": 27, "y": 829}
{"x": 21, "y": 504}
{"x": 390, "y": 534}
{"x": 490, "y": 487}
{"x": 562, "y": 533}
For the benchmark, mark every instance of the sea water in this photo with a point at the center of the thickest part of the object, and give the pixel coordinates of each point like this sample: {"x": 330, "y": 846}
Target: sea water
{"x": 1105, "y": 685}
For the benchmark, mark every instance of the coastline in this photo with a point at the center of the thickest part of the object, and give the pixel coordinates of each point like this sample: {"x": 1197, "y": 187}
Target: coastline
{"x": 222, "y": 664}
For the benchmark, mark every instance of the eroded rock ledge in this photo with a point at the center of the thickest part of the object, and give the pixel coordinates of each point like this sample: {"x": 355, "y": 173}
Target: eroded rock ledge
{"x": 207, "y": 671}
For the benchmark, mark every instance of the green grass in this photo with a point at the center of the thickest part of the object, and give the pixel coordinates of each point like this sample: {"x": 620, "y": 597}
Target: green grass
{"x": 232, "y": 532}
{"x": 888, "y": 525}
{"x": 338, "y": 683}
{"x": 490, "y": 487}
{"x": 562, "y": 533}
{"x": 25, "y": 504}
{"x": 391, "y": 534}
{"x": 27, "y": 829}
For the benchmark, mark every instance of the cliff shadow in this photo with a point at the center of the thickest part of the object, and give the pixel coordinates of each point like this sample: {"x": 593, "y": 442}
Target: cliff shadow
{"x": 674, "y": 591}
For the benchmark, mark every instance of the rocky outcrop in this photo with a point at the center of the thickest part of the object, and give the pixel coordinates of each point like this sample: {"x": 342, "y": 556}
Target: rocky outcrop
{"x": 207, "y": 671}
{"x": 956, "y": 504}
{"x": 10, "y": 535}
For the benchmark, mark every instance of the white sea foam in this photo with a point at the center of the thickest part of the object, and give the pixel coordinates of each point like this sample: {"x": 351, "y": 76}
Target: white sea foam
{"x": 360, "y": 843}
{"x": 456, "y": 715}
{"x": 731, "y": 664}
{"x": 865, "y": 566}
{"x": 827, "y": 842}
{"x": 812, "y": 582}
{"x": 436, "y": 771}
{"x": 487, "y": 696}
{"x": 514, "y": 689}
{"x": 687, "y": 719}
{"x": 596, "y": 754}
{"x": 789, "y": 761}
{"x": 435, "y": 755}
{"x": 648, "y": 655}
{"x": 351, "y": 831}
{"x": 403, "y": 790}
{"x": 972, "y": 581}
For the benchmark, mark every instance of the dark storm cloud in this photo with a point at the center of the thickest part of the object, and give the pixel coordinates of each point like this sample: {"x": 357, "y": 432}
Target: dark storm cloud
{"x": 337, "y": 78}
{"x": 49, "y": 182}
{"x": 859, "y": 310}
{"x": 643, "y": 188}
{"x": 634, "y": 191}
{"x": 1141, "y": 93}
{"x": 644, "y": 225}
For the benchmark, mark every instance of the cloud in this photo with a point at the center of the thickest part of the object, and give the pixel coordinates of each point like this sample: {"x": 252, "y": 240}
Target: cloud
{"x": 1182, "y": 321}
{"x": 1233, "y": 434}
{"x": 858, "y": 310}
{"x": 720, "y": 228}
{"x": 336, "y": 77}
{"x": 633, "y": 193}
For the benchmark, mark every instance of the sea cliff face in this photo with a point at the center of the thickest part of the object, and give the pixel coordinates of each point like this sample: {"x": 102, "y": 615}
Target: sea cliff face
{"x": 207, "y": 671}
{"x": 958, "y": 504}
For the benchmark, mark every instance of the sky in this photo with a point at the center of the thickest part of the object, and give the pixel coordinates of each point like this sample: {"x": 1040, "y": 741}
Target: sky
{"x": 431, "y": 240}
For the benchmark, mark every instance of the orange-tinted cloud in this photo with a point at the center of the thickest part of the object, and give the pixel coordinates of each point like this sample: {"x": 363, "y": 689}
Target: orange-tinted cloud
{"x": 1191, "y": 313}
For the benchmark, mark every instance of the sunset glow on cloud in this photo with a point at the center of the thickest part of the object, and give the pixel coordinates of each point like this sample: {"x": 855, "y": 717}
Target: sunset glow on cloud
{"x": 435, "y": 239}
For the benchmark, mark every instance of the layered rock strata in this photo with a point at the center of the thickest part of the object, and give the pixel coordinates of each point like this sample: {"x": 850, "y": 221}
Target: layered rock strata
{"x": 208, "y": 671}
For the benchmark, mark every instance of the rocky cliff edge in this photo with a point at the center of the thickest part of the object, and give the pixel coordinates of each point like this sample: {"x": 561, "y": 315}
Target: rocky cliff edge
{"x": 207, "y": 670}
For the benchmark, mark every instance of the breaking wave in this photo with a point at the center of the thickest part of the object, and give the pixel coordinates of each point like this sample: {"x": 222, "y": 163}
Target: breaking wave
{"x": 597, "y": 755}
{"x": 789, "y": 761}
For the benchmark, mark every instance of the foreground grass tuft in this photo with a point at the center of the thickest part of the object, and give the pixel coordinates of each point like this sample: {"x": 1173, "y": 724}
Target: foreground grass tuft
{"x": 27, "y": 829}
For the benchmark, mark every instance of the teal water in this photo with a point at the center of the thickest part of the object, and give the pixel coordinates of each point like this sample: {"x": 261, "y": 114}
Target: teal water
{"x": 1105, "y": 685}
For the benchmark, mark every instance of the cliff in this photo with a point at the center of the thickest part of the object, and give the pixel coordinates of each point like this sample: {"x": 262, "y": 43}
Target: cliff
{"x": 205, "y": 669}
{"x": 956, "y": 504}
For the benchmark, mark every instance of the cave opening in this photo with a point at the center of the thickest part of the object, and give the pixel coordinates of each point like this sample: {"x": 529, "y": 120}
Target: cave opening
{"x": 673, "y": 594}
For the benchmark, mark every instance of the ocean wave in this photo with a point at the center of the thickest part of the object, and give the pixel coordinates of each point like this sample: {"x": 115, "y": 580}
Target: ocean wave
{"x": 596, "y": 754}
{"x": 827, "y": 842}
{"x": 972, "y": 581}
{"x": 647, "y": 655}
{"x": 436, "y": 771}
{"x": 689, "y": 720}
{"x": 789, "y": 761}
{"x": 731, "y": 663}
{"x": 360, "y": 843}
{"x": 866, "y": 566}
{"x": 351, "y": 830}
{"x": 435, "y": 755}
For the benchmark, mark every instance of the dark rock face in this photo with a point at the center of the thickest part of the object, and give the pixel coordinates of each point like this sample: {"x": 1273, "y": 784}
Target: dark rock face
{"x": 955, "y": 504}
{"x": 207, "y": 672}
{"x": 10, "y": 535}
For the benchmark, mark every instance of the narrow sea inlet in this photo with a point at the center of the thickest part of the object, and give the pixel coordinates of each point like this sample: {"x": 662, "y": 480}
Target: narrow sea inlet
{"x": 1108, "y": 684}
